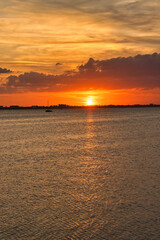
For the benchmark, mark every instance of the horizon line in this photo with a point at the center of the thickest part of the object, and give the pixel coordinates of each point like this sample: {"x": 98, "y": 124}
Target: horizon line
{"x": 78, "y": 106}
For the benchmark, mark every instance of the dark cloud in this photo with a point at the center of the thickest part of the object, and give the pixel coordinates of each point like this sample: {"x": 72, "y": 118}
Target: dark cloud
{"x": 58, "y": 64}
{"x": 4, "y": 70}
{"x": 32, "y": 81}
{"x": 141, "y": 71}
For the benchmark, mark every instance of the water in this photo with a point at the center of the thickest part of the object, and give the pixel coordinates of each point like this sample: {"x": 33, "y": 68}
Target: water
{"x": 80, "y": 174}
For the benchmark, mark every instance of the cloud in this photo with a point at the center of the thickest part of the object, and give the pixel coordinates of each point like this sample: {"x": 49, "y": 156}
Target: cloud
{"x": 58, "y": 64}
{"x": 4, "y": 70}
{"x": 141, "y": 71}
{"x": 37, "y": 34}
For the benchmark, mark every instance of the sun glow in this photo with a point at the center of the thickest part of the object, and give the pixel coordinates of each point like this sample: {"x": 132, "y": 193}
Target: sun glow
{"x": 89, "y": 101}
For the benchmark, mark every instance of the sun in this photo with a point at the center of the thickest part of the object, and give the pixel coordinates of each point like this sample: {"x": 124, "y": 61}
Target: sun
{"x": 90, "y": 101}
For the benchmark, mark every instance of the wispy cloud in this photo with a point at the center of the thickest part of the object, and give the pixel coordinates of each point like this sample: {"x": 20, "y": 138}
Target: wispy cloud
{"x": 36, "y": 34}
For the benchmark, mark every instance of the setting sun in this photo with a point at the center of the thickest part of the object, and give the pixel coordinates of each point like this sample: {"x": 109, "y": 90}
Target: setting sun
{"x": 90, "y": 101}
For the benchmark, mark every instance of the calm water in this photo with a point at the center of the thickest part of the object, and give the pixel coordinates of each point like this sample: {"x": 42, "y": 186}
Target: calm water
{"x": 80, "y": 174}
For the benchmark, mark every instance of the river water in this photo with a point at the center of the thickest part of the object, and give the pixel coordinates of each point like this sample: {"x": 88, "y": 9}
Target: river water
{"x": 80, "y": 174}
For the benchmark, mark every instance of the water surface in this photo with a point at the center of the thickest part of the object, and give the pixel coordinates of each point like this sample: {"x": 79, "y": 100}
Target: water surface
{"x": 80, "y": 174}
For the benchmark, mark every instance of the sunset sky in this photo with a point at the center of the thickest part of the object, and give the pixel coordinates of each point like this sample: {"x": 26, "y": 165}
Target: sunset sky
{"x": 79, "y": 52}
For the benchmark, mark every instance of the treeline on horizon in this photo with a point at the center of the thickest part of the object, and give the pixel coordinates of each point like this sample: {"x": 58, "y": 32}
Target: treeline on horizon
{"x": 64, "y": 106}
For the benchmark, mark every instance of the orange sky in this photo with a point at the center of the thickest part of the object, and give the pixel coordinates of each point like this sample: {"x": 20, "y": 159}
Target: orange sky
{"x": 57, "y": 37}
{"x": 80, "y": 98}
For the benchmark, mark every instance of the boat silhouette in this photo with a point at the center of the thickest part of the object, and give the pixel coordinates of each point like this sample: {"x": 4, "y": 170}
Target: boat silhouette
{"x": 48, "y": 110}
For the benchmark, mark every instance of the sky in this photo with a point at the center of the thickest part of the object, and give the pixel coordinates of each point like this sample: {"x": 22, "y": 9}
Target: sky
{"x": 79, "y": 51}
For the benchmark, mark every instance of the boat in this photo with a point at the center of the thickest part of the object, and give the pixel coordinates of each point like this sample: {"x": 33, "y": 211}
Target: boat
{"x": 48, "y": 110}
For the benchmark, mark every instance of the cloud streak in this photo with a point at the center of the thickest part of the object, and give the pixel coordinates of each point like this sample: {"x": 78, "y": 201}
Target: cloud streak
{"x": 35, "y": 31}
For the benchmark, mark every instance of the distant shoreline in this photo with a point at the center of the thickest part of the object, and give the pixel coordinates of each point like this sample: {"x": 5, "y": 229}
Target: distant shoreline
{"x": 63, "y": 106}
